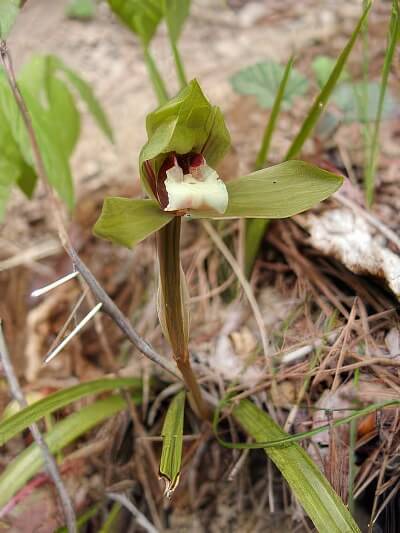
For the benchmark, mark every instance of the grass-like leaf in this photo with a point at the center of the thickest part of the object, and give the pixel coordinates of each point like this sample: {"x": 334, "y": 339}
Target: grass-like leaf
{"x": 13, "y": 425}
{"x": 255, "y": 228}
{"x": 394, "y": 30}
{"x": 30, "y": 461}
{"x": 322, "y": 99}
{"x": 172, "y": 434}
{"x": 309, "y": 485}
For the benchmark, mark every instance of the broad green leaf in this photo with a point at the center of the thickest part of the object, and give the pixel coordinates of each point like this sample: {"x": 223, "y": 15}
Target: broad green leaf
{"x": 9, "y": 10}
{"x": 279, "y": 191}
{"x": 394, "y": 31}
{"x": 322, "y": 99}
{"x": 10, "y": 163}
{"x": 262, "y": 80}
{"x": 30, "y": 461}
{"x": 127, "y": 222}
{"x": 348, "y": 95}
{"x": 187, "y": 123}
{"x": 81, "y": 9}
{"x": 172, "y": 434}
{"x": 309, "y": 485}
{"x": 55, "y": 160}
{"x": 176, "y": 13}
{"x": 141, "y": 16}
{"x": 323, "y": 67}
{"x": 16, "y": 423}
{"x": 85, "y": 92}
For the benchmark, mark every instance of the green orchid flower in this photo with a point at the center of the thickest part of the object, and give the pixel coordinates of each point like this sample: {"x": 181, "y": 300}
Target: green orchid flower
{"x": 187, "y": 137}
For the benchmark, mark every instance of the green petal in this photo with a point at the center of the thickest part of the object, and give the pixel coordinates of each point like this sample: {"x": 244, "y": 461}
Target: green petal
{"x": 127, "y": 222}
{"x": 277, "y": 192}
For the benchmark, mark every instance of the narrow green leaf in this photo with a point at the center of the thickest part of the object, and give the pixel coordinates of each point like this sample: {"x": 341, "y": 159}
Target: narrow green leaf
{"x": 86, "y": 93}
{"x": 255, "y": 228}
{"x": 262, "y": 80}
{"x": 27, "y": 180}
{"x": 323, "y": 67}
{"x": 394, "y": 29}
{"x": 9, "y": 10}
{"x": 141, "y": 16}
{"x": 279, "y": 191}
{"x": 10, "y": 163}
{"x": 30, "y": 461}
{"x": 322, "y": 99}
{"x": 13, "y": 425}
{"x": 172, "y": 433}
{"x": 309, "y": 485}
{"x": 127, "y": 222}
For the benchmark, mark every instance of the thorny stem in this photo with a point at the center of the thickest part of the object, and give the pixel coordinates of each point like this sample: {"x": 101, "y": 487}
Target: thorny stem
{"x": 49, "y": 461}
{"x": 173, "y": 315}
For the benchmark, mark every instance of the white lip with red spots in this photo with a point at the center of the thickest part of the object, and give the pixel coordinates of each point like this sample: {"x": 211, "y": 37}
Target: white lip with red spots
{"x": 202, "y": 188}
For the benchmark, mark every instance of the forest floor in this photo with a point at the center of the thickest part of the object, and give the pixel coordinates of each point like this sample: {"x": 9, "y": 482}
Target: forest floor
{"x": 326, "y": 282}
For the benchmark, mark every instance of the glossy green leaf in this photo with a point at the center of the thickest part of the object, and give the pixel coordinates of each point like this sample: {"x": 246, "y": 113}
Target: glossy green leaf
{"x": 16, "y": 423}
{"x": 279, "y": 191}
{"x": 9, "y": 10}
{"x": 322, "y": 99}
{"x": 127, "y": 222}
{"x": 309, "y": 485}
{"x": 172, "y": 434}
{"x": 30, "y": 461}
{"x": 187, "y": 123}
{"x": 141, "y": 16}
{"x": 262, "y": 80}
{"x": 323, "y": 67}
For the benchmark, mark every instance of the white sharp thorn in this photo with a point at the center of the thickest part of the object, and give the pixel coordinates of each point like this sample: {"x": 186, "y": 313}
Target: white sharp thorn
{"x": 78, "y": 328}
{"x": 55, "y": 284}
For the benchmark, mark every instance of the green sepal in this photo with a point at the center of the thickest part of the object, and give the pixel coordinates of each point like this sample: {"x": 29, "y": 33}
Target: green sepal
{"x": 141, "y": 16}
{"x": 279, "y": 191}
{"x": 187, "y": 123}
{"x": 127, "y": 222}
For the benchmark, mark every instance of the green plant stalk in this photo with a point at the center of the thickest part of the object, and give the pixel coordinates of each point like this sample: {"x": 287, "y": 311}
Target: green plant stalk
{"x": 155, "y": 76}
{"x": 322, "y": 99}
{"x": 172, "y": 307}
{"x": 255, "y": 228}
{"x": 109, "y": 525}
{"x": 373, "y": 152}
{"x": 180, "y": 69}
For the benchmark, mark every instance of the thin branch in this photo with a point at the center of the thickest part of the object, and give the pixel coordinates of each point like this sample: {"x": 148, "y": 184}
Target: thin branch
{"x": 139, "y": 516}
{"x": 49, "y": 461}
{"x": 108, "y": 305}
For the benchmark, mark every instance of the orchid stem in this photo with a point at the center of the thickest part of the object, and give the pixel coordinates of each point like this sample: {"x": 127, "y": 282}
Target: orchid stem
{"x": 172, "y": 312}
{"x": 180, "y": 69}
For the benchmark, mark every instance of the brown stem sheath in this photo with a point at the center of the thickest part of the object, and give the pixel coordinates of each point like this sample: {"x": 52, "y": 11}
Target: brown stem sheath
{"x": 172, "y": 312}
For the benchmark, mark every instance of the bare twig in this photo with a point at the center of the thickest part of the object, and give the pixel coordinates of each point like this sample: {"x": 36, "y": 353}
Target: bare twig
{"x": 140, "y": 517}
{"x": 49, "y": 461}
{"x": 108, "y": 305}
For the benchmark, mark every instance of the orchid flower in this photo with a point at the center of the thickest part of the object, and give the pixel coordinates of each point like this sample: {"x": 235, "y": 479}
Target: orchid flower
{"x": 187, "y": 137}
